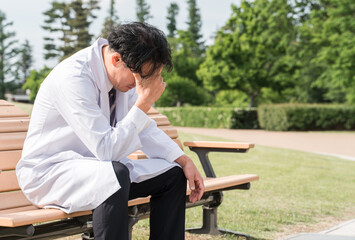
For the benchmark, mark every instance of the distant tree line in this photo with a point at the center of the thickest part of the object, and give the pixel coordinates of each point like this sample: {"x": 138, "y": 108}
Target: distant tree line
{"x": 285, "y": 51}
{"x": 15, "y": 58}
{"x": 269, "y": 51}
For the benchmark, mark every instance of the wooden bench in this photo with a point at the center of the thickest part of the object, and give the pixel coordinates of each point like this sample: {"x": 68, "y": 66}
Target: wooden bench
{"x": 19, "y": 219}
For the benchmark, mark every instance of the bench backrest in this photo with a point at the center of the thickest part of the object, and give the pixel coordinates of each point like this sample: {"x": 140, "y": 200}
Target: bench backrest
{"x": 13, "y": 129}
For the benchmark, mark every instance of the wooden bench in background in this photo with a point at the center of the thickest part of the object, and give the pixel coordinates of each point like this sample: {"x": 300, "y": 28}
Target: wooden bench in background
{"x": 19, "y": 219}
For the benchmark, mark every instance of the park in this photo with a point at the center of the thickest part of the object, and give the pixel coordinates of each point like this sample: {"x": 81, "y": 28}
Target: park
{"x": 275, "y": 85}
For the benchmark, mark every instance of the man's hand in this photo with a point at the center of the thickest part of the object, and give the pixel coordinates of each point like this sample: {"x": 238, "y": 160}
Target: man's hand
{"x": 149, "y": 90}
{"x": 193, "y": 176}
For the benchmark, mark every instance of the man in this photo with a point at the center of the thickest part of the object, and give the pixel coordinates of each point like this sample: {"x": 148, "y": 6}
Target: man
{"x": 89, "y": 115}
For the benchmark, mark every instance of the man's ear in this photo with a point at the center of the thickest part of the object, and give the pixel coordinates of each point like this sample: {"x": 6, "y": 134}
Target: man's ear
{"x": 116, "y": 58}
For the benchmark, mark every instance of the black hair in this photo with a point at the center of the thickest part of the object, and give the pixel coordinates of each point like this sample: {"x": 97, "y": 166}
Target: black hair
{"x": 140, "y": 43}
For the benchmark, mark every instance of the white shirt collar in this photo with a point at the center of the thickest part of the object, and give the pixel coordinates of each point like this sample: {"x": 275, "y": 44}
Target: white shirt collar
{"x": 101, "y": 43}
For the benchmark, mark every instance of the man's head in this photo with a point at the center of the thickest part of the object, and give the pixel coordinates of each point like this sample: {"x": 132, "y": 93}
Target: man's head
{"x": 139, "y": 48}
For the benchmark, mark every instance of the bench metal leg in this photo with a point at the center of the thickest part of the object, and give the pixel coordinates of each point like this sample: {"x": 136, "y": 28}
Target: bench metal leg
{"x": 209, "y": 225}
{"x": 131, "y": 222}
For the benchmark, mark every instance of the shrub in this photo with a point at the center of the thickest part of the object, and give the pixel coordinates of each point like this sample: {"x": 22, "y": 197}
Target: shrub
{"x": 284, "y": 117}
{"x": 245, "y": 119}
{"x": 211, "y": 117}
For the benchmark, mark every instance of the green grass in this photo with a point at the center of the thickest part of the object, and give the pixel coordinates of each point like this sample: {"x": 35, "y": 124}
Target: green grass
{"x": 295, "y": 189}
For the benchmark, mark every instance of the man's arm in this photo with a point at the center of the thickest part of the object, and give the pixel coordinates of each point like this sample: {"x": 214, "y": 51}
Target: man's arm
{"x": 148, "y": 93}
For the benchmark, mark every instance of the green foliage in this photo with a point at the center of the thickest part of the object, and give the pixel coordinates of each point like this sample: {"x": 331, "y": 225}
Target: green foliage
{"x": 186, "y": 65}
{"x": 34, "y": 81}
{"x": 192, "y": 36}
{"x": 183, "y": 86}
{"x": 246, "y": 118}
{"x": 111, "y": 21}
{"x": 251, "y": 51}
{"x": 173, "y": 11}
{"x": 211, "y": 117}
{"x": 336, "y": 36}
{"x": 143, "y": 9}
{"x": 231, "y": 98}
{"x": 25, "y": 62}
{"x": 325, "y": 52}
{"x": 284, "y": 117}
{"x": 181, "y": 91}
{"x": 208, "y": 117}
{"x": 7, "y": 55}
{"x": 69, "y": 23}
{"x": 188, "y": 48}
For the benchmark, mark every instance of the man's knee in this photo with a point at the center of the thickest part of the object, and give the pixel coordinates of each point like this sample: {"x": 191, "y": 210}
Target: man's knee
{"x": 179, "y": 176}
{"x": 122, "y": 174}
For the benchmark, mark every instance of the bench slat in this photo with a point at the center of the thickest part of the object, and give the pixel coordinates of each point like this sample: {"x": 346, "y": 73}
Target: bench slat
{"x": 11, "y": 111}
{"x": 12, "y": 141}
{"x": 5, "y": 103}
{"x": 160, "y": 119}
{"x": 13, "y": 218}
{"x": 32, "y": 216}
{"x": 14, "y": 125}
{"x": 9, "y": 159}
{"x": 19, "y": 209}
{"x": 8, "y": 181}
{"x": 170, "y": 131}
{"x": 13, "y": 199}
{"x": 213, "y": 184}
{"x": 152, "y": 111}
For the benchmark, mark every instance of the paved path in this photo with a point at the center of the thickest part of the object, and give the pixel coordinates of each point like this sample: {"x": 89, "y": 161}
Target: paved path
{"x": 330, "y": 143}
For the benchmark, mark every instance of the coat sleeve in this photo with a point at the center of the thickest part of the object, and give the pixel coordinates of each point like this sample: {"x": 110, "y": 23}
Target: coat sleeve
{"x": 76, "y": 101}
{"x": 155, "y": 143}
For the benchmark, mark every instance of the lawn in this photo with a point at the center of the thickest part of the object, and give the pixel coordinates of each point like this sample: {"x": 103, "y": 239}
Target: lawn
{"x": 297, "y": 192}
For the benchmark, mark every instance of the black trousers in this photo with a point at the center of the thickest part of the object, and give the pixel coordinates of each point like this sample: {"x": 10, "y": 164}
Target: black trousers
{"x": 167, "y": 206}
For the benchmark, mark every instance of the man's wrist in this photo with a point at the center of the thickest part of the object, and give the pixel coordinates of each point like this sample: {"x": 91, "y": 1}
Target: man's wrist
{"x": 143, "y": 105}
{"x": 182, "y": 160}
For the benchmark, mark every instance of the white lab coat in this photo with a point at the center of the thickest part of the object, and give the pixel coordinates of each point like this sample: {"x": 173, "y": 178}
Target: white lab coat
{"x": 66, "y": 159}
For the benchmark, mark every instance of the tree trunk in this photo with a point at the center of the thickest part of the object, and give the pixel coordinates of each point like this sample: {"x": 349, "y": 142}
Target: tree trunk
{"x": 252, "y": 100}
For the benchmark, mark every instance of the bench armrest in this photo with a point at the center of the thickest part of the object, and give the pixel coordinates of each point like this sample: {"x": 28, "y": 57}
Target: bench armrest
{"x": 220, "y": 145}
{"x": 202, "y": 148}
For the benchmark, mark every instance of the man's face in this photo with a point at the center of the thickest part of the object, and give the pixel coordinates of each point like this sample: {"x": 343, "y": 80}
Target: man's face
{"x": 122, "y": 77}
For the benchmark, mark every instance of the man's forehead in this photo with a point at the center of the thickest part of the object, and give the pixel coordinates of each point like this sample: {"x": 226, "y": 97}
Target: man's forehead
{"x": 148, "y": 67}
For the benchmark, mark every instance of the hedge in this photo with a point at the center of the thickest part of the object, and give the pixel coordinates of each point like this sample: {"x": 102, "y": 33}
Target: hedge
{"x": 303, "y": 117}
{"x": 211, "y": 117}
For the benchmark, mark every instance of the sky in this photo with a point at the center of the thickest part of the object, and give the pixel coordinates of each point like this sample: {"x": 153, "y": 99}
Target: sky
{"x": 27, "y": 17}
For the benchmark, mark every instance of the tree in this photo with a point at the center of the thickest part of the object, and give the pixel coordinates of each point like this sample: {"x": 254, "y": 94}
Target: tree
{"x": 251, "y": 51}
{"x": 80, "y": 25}
{"x": 111, "y": 21}
{"x": 184, "y": 87}
{"x": 68, "y": 22}
{"x": 188, "y": 49}
{"x": 173, "y": 11}
{"x": 143, "y": 11}
{"x": 336, "y": 38}
{"x": 8, "y": 52}
{"x": 180, "y": 91}
{"x": 190, "y": 39}
{"x": 56, "y": 23}
{"x": 24, "y": 63}
{"x": 34, "y": 81}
